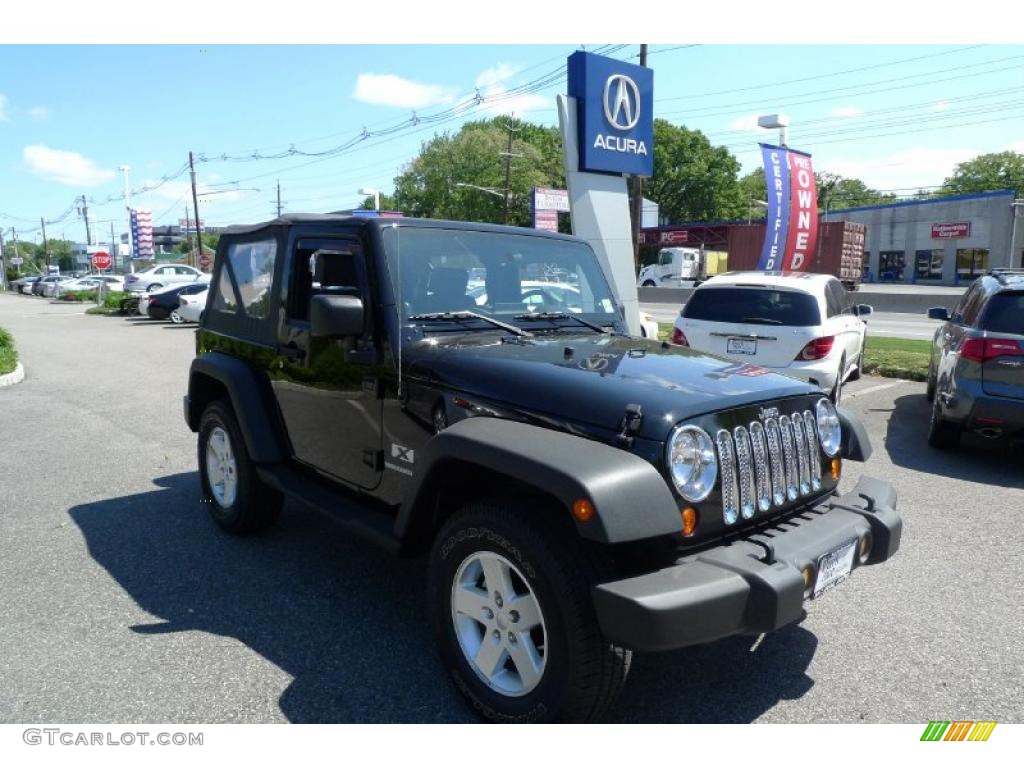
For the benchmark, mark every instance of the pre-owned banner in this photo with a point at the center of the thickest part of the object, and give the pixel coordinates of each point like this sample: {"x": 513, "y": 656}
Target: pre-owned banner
{"x": 803, "y": 212}
{"x": 776, "y": 173}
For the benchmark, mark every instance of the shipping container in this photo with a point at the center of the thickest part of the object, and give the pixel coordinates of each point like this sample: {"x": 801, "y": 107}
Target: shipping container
{"x": 839, "y": 250}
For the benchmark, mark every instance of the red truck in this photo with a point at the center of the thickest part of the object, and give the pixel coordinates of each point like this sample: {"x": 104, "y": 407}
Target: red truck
{"x": 839, "y": 251}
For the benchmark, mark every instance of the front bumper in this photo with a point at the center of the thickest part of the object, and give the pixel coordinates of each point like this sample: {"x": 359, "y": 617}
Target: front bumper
{"x": 748, "y": 586}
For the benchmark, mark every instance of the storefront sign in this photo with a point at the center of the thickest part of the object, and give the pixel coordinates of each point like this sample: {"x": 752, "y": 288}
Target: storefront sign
{"x": 547, "y": 199}
{"x": 615, "y": 113}
{"x": 670, "y": 238}
{"x": 951, "y": 231}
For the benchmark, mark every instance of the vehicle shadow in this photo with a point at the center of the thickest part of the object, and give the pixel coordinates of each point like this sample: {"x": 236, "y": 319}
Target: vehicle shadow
{"x": 992, "y": 462}
{"x": 348, "y": 622}
{"x": 734, "y": 680}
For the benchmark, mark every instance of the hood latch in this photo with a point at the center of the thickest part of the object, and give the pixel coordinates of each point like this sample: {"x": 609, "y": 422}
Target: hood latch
{"x": 630, "y": 425}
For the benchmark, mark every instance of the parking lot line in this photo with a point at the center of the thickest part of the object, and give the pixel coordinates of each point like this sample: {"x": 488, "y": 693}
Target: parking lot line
{"x": 876, "y": 388}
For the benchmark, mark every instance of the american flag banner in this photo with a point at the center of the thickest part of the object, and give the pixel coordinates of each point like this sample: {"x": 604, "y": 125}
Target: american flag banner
{"x": 142, "y": 233}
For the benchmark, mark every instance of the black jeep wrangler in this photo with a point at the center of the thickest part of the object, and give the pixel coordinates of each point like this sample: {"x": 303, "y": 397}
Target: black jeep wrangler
{"x": 469, "y": 392}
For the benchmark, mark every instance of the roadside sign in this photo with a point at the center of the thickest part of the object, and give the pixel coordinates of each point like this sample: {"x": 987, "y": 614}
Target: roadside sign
{"x": 205, "y": 261}
{"x": 101, "y": 260}
{"x": 16, "y": 260}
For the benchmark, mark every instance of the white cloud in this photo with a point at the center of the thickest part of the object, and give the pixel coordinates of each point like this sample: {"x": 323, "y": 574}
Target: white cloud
{"x": 491, "y": 85}
{"x": 745, "y": 123}
{"x": 1017, "y": 146}
{"x": 64, "y": 167}
{"x": 395, "y": 91}
{"x": 940, "y": 106}
{"x": 38, "y": 113}
{"x": 846, "y": 112}
{"x": 182, "y": 190}
{"x": 495, "y": 76}
{"x": 3, "y": 108}
{"x": 905, "y": 169}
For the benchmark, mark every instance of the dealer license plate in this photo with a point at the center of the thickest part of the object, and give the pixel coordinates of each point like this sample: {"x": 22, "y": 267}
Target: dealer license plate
{"x": 741, "y": 346}
{"x": 834, "y": 567}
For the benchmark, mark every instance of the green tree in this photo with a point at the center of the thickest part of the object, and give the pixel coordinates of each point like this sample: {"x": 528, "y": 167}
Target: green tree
{"x": 693, "y": 180}
{"x": 462, "y": 175}
{"x": 998, "y": 170}
{"x": 836, "y": 192}
{"x": 387, "y": 203}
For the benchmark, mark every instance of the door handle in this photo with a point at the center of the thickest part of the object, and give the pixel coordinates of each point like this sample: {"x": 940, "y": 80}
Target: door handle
{"x": 291, "y": 351}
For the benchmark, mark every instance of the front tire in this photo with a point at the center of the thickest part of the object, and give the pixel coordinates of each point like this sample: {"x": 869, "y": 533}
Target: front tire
{"x": 510, "y": 602}
{"x": 238, "y": 500}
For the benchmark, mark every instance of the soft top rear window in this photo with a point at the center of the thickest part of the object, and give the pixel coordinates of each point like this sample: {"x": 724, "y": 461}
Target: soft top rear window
{"x": 754, "y": 306}
{"x": 1005, "y": 313}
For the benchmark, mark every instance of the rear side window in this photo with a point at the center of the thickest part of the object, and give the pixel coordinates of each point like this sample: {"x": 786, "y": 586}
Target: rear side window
{"x": 755, "y": 306}
{"x": 253, "y": 267}
{"x": 1004, "y": 314}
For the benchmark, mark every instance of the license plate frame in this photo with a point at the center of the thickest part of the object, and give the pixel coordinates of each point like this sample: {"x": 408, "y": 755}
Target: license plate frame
{"x": 739, "y": 346}
{"x": 834, "y": 567}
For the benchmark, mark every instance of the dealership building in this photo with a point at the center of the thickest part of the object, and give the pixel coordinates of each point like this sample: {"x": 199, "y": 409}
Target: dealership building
{"x": 941, "y": 241}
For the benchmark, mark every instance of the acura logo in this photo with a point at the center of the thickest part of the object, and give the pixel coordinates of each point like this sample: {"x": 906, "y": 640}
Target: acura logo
{"x": 621, "y": 102}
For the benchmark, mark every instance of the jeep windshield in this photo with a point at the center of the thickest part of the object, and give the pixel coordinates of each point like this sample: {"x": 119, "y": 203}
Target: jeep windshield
{"x": 443, "y": 275}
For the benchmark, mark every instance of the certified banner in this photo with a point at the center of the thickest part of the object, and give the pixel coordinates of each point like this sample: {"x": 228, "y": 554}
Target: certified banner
{"x": 776, "y": 174}
{"x": 803, "y": 212}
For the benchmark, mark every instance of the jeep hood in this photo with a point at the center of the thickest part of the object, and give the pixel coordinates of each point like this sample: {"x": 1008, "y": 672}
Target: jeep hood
{"x": 590, "y": 378}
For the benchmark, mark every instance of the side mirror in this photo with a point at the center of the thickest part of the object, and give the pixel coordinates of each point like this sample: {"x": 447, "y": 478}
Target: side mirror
{"x": 863, "y": 310}
{"x": 333, "y": 317}
{"x": 938, "y": 313}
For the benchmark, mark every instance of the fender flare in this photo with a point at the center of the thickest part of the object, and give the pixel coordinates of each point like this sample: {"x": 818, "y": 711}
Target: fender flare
{"x": 631, "y": 500}
{"x": 252, "y": 404}
{"x": 855, "y": 443}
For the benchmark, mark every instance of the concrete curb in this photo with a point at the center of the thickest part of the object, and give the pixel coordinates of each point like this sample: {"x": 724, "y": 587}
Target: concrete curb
{"x": 10, "y": 379}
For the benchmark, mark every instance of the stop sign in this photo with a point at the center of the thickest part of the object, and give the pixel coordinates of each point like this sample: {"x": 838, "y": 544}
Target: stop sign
{"x": 101, "y": 260}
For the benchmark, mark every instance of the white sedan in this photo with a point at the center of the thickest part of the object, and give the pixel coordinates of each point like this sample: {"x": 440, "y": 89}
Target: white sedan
{"x": 190, "y": 307}
{"x": 162, "y": 276}
{"x": 796, "y": 323}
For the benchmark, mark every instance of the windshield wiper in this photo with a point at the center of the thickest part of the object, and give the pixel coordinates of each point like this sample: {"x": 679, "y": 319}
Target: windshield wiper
{"x": 761, "y": 320}
{"x": 467, "y": 315}
{"x": 561, "y": 316}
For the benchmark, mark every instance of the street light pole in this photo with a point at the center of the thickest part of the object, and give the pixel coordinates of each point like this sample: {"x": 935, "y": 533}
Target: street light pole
{"x": 128, "y": 211}
{"x": 195, "y": 204}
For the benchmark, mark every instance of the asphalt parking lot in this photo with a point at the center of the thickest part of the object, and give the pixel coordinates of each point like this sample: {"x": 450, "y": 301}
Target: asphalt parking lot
{"x": 122, "y": 602}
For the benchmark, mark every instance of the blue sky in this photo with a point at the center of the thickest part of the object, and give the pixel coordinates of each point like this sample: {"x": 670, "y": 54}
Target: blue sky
{"x": 71, "y": 115}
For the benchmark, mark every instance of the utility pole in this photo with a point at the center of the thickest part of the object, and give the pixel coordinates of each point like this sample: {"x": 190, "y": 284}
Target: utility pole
{"x": 279, "y": 198}
{"x": 188, "y": 237}
{"x": 195, "y": 204}
{"x": 128, "y": 211}
{"x": 637, "y": 184}
{"x": 508, "y": 167}
{"x": 46, "y": 250}
{"x": 85, "y": 215}
{"x": 3, "y": 263}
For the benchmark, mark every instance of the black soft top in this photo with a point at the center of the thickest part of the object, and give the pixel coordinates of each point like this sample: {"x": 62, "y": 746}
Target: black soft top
{"x": 380, "y": 222}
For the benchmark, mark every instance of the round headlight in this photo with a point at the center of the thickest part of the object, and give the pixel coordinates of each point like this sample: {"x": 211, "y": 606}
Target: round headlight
{"x": 829, "y": 430}
{"x": 692, "y": 462}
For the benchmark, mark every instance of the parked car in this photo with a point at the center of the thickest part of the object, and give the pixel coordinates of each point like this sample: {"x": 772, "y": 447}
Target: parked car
{"x": 24, "y": 284}
{"x": 578, "y": 494}
{"x": 46, "y": 286}
{"x": 976, "y": 365}
{"x": 801, "y": 324}
{"x": 161, "y": 276}
{"x": 163, "y": 304}
{"x": 191, "y": 306}
{"x": 93, "y": 283}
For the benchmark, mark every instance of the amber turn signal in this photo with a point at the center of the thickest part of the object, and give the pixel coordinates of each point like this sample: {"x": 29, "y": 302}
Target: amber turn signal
{"x": 582, "y": 510}
{"x": 689, "y": 521}
{"x": 837, "y": 468}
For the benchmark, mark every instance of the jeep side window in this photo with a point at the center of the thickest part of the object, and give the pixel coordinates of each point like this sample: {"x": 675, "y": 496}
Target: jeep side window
{"x": 323, "y": 267}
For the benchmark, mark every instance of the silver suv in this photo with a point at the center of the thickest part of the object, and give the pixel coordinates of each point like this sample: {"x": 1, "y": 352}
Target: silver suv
{"x": 162, "y": 276}
{"x": 976, "y": 367}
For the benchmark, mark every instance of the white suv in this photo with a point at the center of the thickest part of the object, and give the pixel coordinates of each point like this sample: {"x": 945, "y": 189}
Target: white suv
{"x": 162, "y": 276}
{"x": 796, "y": 323}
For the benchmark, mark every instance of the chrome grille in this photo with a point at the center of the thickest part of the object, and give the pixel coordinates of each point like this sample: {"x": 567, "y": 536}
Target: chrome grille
{"x": 727, "y": 469}
{"x": 768, "y": 463}
{"x": 762, "y": 471}
{"x": 745, "y": 470}
{"x": 804, "y": 473}
{"x": 789, "y": 455}
{"x": 811, "y": 435}
{"x": 771, "y": 428}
